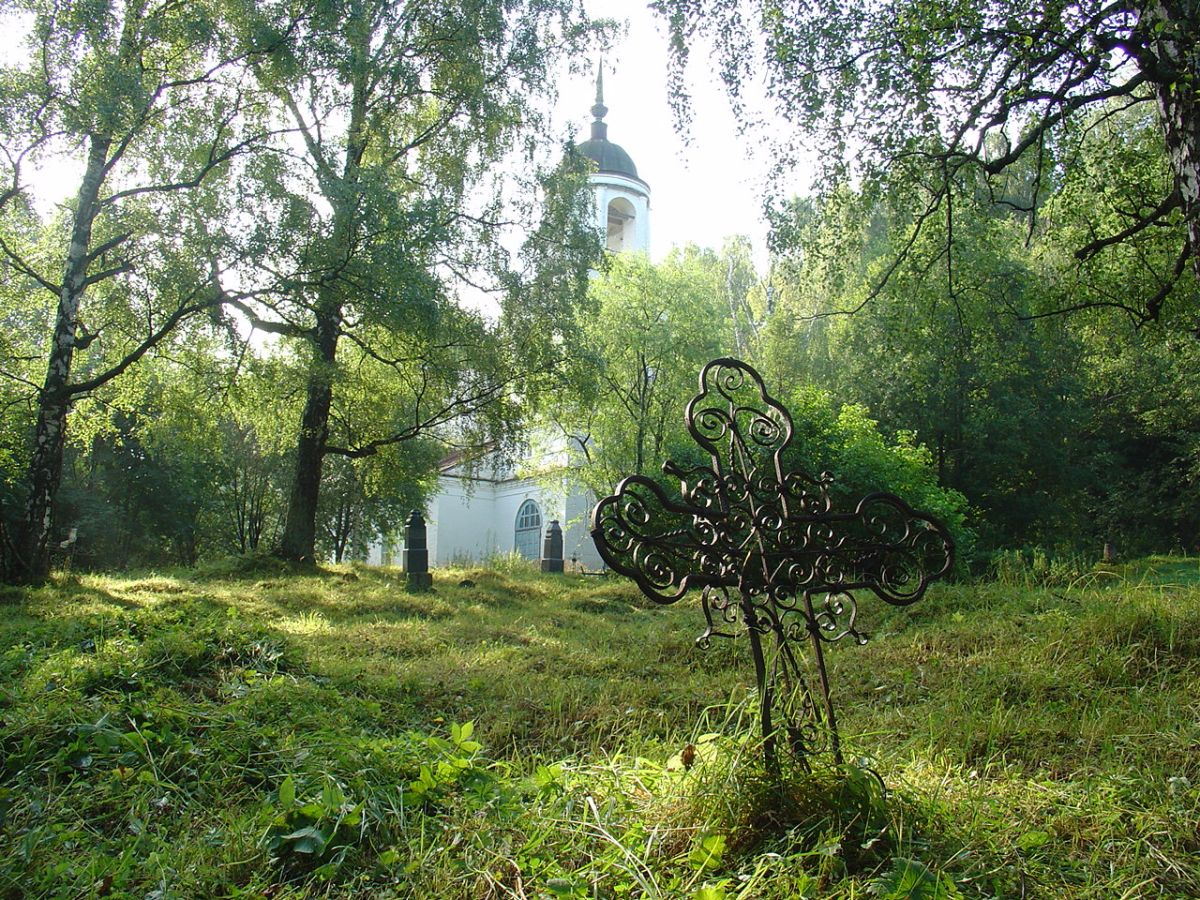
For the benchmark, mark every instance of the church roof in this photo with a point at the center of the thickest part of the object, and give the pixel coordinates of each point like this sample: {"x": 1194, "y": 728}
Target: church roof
{"x": 609, "y": 157}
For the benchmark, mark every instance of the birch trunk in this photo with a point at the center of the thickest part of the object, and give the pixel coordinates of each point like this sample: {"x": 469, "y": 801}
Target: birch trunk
{"x": 1176, "y": 26}
{"x": 298, "y": 542}
{"x": 54, "y": 398}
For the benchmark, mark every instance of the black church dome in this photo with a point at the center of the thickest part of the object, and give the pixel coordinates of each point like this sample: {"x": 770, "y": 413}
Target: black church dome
{"x": 608, "y": 157}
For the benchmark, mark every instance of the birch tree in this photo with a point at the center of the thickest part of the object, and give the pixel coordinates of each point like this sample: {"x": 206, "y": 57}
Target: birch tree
{"x": 144, "y": 102}
{"x": 386, "y": 209}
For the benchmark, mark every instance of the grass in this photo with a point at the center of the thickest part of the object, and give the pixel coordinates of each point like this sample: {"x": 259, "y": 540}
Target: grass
{"x": 250, "y": 731}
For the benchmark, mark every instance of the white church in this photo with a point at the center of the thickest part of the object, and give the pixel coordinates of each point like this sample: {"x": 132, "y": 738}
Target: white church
{"x": 496, "y": 509}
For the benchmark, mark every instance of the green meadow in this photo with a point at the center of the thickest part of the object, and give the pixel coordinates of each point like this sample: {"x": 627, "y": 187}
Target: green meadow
{"x": 253, "y": 731}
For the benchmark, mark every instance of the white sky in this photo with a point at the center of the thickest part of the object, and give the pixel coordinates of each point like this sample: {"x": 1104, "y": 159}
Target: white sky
{"x": 703, "y": 187}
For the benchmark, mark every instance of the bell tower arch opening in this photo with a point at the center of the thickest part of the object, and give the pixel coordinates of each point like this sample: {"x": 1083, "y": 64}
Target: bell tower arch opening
{"x": 622, "y": 230}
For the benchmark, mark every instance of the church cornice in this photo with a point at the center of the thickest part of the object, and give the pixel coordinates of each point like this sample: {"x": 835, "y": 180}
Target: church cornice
{"x": 615, "y": 179}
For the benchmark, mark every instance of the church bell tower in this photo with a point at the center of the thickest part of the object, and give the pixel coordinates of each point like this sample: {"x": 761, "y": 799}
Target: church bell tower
{"x": 622, "y": 199}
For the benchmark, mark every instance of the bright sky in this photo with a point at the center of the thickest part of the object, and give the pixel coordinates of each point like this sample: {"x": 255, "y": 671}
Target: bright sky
{"x": 703, "y": 188}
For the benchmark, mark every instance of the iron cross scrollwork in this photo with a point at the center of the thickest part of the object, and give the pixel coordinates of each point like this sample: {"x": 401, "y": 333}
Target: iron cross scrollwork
{"x": 767, "y": 550}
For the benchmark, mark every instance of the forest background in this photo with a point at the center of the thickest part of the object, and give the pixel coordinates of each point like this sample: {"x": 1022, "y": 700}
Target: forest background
{"x": 256, "y": 326}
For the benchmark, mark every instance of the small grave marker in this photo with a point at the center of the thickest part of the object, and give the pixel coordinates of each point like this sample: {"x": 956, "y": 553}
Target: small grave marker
{"x": 418, "y": 578}
{"x": 768, "y": 551}
{"x": 552, "y": 548}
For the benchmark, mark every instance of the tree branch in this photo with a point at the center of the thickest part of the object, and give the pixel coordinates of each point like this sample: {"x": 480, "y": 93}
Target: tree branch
{"x": 183, "y": 311}
{"x": 107, "y": 273}
{"x": 898, "y": 259}
{"x": 1173, "y": 201}
{"x": 18, "y": 262}
{"x": 286, "y": 329}
{"x": 108, "y": 245}
{"x": 455, "y": 408}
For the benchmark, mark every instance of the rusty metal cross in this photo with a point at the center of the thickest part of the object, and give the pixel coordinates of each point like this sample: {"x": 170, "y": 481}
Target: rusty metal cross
{"x": 767, "y": 550}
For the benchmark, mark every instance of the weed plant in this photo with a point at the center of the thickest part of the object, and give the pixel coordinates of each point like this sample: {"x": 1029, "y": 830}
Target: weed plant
{"x": 257, "y": 731}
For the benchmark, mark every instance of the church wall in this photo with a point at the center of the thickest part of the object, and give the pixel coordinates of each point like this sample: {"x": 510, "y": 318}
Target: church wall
{"x": 461, "y": 524}
{"x": 470, "y": 520}
{"x": 469, "y": 527}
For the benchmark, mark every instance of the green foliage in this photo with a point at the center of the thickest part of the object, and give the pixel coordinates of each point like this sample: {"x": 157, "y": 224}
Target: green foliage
{"x": 451, "y": 765}
{"x": 366, "y": 498}
{"x": 986, "y": 207}
{"x": 910, "y": 879}
{"x": 145, "y": 104}
{"x": 309, "y": 832}
{"x": 1143, "y": 393}
{"x": 195, "y": 199}
{"x": 1054, "y": 428}
{"x": 835, "y": 819}
{"x": 849, "y": 444}
{"x": 946, "y": 369}
{"x": 926, "y": 106}
{"x": 1034, "y": 567}
{"x": 407, "y": 117}
{"x": 654, "y": 327}
{"x": 1060, "y": 434}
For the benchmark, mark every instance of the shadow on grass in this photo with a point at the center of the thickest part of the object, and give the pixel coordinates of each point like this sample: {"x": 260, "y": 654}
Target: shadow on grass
{"x": 59, "y": 611}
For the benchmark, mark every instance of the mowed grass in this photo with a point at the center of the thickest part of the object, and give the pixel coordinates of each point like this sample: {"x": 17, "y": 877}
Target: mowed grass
{"x": 251, "y": 731}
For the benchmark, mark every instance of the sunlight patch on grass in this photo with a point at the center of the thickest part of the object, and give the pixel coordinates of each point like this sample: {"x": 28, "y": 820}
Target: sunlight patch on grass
{"x": 306, "y": 623}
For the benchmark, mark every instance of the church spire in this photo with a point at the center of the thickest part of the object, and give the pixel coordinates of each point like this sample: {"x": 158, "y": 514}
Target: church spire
{"x": 599, "y": 110}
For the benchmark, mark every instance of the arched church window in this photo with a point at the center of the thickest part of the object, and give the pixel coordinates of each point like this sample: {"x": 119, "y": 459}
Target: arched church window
{"x": 529, "y": 530}
{"x": 621, "y": 217}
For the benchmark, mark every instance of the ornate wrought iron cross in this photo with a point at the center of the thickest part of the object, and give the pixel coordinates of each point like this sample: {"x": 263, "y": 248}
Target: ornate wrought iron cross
{"x": 767, "y": 550}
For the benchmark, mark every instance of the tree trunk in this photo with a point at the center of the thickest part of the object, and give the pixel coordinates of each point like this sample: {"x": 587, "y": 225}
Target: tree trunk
{"x": 1176, "y": 89}
{"x": 241, "y": 510}
{"x": 643, "y": 388}
{"x": 54, "y": 398}
{"x": 343, "y": 526}
{"x": 255, "y": 515}
{"x": 300, "y": 528}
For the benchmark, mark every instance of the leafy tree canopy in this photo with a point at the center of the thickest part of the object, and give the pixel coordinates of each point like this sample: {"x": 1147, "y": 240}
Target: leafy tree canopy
{"x": 393, "y": 208}
{"x": 146, "y": 99}
{"x": 911, "y": 100}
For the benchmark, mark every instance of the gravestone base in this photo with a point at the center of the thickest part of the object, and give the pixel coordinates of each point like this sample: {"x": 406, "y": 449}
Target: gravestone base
{"x": 419, "y": 582}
